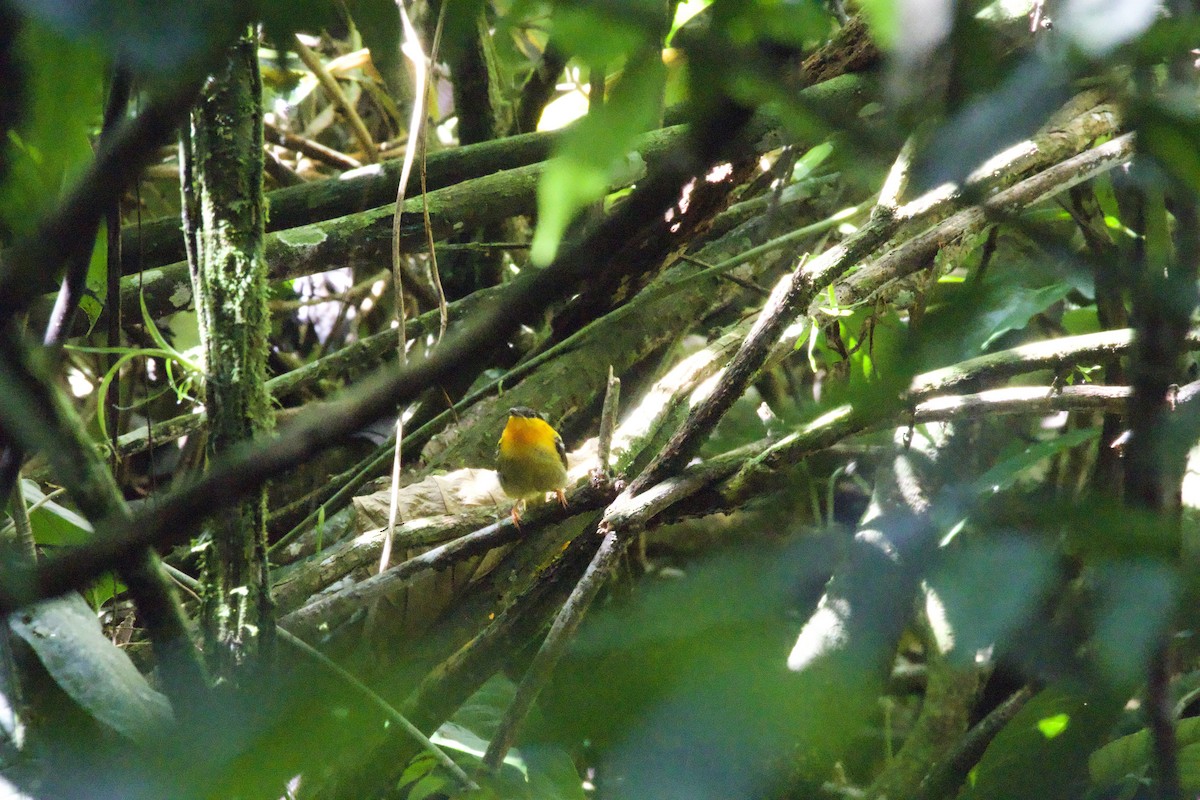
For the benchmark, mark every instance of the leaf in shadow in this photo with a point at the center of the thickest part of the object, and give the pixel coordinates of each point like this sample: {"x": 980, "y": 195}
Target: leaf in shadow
{"x": 66, "y": 636}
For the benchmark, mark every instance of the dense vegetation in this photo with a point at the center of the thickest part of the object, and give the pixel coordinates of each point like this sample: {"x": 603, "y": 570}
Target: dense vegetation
{"x": 867, "y": 330}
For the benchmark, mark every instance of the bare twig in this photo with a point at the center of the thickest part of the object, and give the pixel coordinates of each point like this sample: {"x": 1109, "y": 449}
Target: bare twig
{"x": 552, "y": 649}
{"x": 416, "y": 139}
{"x": 945, "y": 777}
{"x": 608, "y": 421}
{"x": 314, "y": 150}
{"x": 330, "y": 84}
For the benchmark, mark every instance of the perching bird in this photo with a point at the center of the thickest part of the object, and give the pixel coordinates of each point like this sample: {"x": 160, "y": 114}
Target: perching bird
{"x": 531, "y": 459}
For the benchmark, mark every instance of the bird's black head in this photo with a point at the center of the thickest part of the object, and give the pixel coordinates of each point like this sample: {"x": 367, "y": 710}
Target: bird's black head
{"x": 524, "y": 411}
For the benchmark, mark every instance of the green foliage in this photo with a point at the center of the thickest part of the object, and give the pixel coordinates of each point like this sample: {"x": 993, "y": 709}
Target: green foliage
{"x": 680, "y": 682}
{"x": 1127, "y": 759}
{"x": 50, "y": 146}
{"x": 66, "y": 637}
{"x": 1043, "y": 752}
{"x": 581, "y": 171}
{"x": 155, "y": 38}
{"x": 988, "y": 590}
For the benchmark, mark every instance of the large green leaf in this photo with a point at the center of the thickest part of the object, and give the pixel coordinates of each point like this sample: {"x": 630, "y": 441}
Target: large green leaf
{"x": 1043, "y": 751}
{"x": 1129, "y": 757}
{"x": 66, "y": 636}
{"x": 608, "y": 31}
{"x": 172, "y": 39}
{"x": 63, "y": 106}
{"x": 154, "y": 38}
{"x": 52, "y": 523}
{"x": 1006, "y": 472}
{"x": 988, "y": 590}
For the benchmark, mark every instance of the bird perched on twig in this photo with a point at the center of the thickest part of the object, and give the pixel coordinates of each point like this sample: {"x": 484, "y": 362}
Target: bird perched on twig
{"x": 531, "y": 460}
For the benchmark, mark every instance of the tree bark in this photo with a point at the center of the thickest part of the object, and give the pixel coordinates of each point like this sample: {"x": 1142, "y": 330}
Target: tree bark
{"x": 229, "y": 280}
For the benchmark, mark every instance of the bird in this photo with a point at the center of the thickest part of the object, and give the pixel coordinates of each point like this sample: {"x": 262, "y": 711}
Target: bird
{"x": 531, "y": 459}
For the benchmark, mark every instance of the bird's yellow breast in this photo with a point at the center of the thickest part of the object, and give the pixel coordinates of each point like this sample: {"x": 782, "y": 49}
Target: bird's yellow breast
{"x": 530, "y": 461}
{"x": 525, "y": 432}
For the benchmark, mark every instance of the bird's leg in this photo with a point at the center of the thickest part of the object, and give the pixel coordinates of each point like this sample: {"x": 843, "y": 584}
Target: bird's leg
{"x": 516, "y": 514}
{"x": 562, "y": 497}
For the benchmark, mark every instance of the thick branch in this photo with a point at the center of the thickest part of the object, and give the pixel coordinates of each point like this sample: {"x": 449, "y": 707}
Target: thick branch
{"x": 248, "y": 468}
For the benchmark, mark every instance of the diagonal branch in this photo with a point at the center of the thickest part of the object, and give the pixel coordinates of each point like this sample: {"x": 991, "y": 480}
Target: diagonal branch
{"x": 248, "y": 467}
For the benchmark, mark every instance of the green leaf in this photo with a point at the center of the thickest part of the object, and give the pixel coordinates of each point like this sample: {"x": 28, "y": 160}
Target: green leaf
{"x": 1130, "y": 756}
{"x": 607, "y": 31}
{"x": 66, "y": 636}
{"x": 63, "y": 106}
{"x": 96, "y": 285}
{"x": 1018, "y": 306}
{"x": 552, "y": 773}
{"x": 1024, "y": 761}
{"x": 52, "y": 523}
{"x": 1054, "y": 725}
{"x": 1006, "y": 472}
{"x": 989, "y": 590}
{"x": 156, "y": 39}
{"x": 591, "y": 152}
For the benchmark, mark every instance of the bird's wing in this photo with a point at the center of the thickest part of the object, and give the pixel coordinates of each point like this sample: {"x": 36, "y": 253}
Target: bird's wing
{"x": 562, "y": 450}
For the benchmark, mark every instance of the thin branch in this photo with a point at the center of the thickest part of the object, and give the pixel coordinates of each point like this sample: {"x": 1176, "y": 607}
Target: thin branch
{"x": 334, "y": 90}
{"x": 314, "y": 150}
{"x": 564, "y": 627}
{"x": 945, "y": 777}
{"x": 66, "y": 233}
{"x": 416, "y": 140}
{"x": 608, "y": 421}
{"x": 306, "y": 622}
{"x": 914, "y": 254}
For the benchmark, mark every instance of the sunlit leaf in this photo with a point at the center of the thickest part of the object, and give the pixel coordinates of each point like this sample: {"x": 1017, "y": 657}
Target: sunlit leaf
{"x": 1054, "y": 725}
{"x": 607, "y": 31}
{"x": 96, "y": 283}
{"x": 580, "y": 172}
